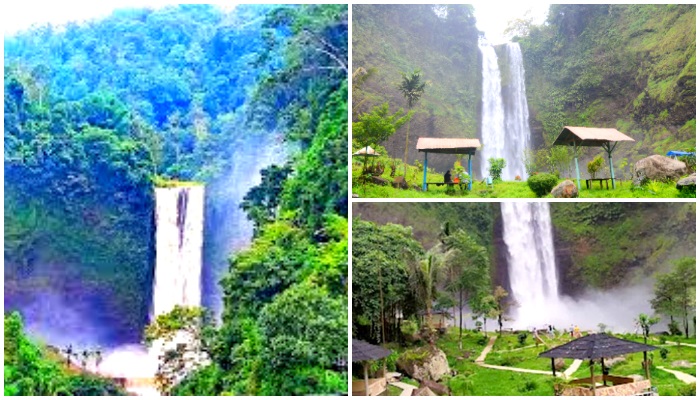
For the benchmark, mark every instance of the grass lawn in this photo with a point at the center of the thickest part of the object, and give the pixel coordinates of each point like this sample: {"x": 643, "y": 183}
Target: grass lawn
{"x": 506, "y": 189}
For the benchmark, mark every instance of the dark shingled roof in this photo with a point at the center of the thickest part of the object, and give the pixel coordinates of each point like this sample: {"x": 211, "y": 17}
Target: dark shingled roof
{"x": 363, "y": 351}
{"x": 597, "y": 345}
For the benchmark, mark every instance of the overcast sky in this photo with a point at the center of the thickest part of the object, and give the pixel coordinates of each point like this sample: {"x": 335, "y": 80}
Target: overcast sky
{"x": 492, "y": 17}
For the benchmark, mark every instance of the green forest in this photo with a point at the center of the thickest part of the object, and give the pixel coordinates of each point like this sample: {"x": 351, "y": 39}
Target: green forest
{"x": 99, "y": 113}
{"x": 628, "y": 67}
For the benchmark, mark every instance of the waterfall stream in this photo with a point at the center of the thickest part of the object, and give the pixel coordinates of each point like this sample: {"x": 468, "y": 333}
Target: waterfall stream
{"x": 505, "y": 131}
{"x": 527, "y": 232}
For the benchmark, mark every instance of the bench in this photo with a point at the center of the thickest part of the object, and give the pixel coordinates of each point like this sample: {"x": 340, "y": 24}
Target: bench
{"x": 589, "y": 182}
{"x": 462, "y": 185}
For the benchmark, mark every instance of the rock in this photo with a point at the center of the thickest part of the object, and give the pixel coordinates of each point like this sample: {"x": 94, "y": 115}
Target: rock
{"x": 379, "y": 181}
{"x": 423, "y": 391}
{"x": 437, "y": 388}
{"x": 637, "y": 378}
{"x": 565, "y": 190}
{"x": 658, "y": 168}
{"x": 559, "y": 364}
{"x": 682, "y": 364}
{"x": 417, "y": 188}
{"x": 687, "y": 182}
{"x": 400, "y": 183}
{"x": 355, "y": 196}
{"x": 610, "y": 362}
{"x": 424, "y": 364}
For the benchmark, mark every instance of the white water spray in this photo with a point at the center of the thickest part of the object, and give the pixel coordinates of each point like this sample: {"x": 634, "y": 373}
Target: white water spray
{"x": 517, "y": 115}
{"x": 492, "y": 116}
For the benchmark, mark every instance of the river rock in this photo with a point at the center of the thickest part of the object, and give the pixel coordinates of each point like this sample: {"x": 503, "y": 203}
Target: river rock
{"x": 688, "y": 181}
{"x": 400, "y": 183}
{"x": 424, "y": 364}
{"x": 658, "y": 168}
{"x": 559, "y": 364}
{"x": 565, "y": 190}
{"x": 379, "y": 181}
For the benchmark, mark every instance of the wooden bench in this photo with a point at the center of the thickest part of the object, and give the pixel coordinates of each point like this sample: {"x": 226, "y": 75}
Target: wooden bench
{"x": 589, "y": 182}
{"x": 462, "y": 185}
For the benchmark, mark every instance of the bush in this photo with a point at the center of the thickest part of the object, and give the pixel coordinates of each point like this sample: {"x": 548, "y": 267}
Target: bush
{"x": 522, "y": 337}
{"x": 663, "y": 353}
{"x": 529, "y": 386}
{"x": 595, "y": 165}
{"x": 542, "y": 184}
{"x": 460, "y": 385}
{"x": 687, "y": 390}
{"x": 496, "y": 166}
{"x": 482, "y": 340}
{"x": 687, "y": 191}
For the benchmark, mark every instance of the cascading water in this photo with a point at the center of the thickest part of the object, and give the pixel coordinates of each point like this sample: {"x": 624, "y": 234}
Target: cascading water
{"x": 179, "y": 240}
{"x": 516, "y": 113}
{"x": 527, "y": 232}
{"x": 505, "y": 131}
{"x": 492, "y": 116}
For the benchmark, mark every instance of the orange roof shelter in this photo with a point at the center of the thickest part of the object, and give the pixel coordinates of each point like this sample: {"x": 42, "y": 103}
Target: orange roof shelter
{"x": 577, "y": 136}
{"x": 447, "y": 146}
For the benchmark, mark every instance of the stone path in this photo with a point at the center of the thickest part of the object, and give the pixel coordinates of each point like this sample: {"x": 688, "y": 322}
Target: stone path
{"x": 682, "y": 376}
{"x": 682, "y": 344}
{"x": 407, "y": 389}
{"x": 572, "y": 368}
{"x": 480, "y": 361}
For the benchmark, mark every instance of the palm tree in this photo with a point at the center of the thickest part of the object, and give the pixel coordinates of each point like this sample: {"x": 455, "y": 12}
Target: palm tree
{"x": 645, "y": 322}
{"x": 412, "y": 89}
{"x": 423, "y": 276}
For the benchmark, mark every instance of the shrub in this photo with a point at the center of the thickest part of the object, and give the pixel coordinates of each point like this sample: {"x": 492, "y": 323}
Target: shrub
{"x": 522, "y": 337}
{"x": 542, "y": 184}
{"x": 481, "y": 340}
{"x": 496, "y": 166}
{"x": 663, "y": 353}
{"x": 529, "y": 386}
{"x": 673, "y": 328}
{"x": 594, "y": 165}
{"x": 687, "y": 390}
{"x": 687, "y": 191}
{"x": 460, "y": 385}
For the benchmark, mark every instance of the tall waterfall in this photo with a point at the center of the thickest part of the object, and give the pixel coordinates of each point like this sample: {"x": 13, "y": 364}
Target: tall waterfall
{"x": 505, "y": 130}
{"x": 527, "y": 232}
{"x": 179, "y": 240}
{"x": 492, "y": 115}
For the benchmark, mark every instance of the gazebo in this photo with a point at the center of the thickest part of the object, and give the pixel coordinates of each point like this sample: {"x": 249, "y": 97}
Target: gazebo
{"x": 577, "y": 136}
{"x": 447, "y": 146}
{"x": 363, "y": 352}
{"x": 600, "y": 346}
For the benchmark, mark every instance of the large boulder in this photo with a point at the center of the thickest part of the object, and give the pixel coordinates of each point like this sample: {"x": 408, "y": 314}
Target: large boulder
{"x": 687, "y": 182}
{"x": 565, "y": 190}
{"x": 400, "y": 183}
{"x": 423, "y": 391}
{"x": 559, "y": 364}
{"x": 658, "y": 168}
{"x": 424, "y": 364}
{"x": 437, "y": 388}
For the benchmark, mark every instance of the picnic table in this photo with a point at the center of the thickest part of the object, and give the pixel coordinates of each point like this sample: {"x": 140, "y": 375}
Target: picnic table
{"x": 589, "y": 182}
{"x": 462, "y": 185}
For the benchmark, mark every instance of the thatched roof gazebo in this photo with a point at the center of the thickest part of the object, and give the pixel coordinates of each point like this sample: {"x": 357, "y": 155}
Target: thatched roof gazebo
{"x": 447, "y": 146}
{"x": 363, "y": 352}
{"x": 599, "y": 346}
{"x": 577, "y": 136}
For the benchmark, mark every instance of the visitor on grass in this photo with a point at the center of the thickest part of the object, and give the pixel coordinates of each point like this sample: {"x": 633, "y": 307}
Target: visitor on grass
{"x": 448, "y": 177}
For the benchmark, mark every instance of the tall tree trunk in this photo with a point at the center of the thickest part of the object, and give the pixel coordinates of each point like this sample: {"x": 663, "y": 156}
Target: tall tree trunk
{"x": 405, "y": 154}
{"x": 461, "y": 305}
{"x": 381, "y": 304}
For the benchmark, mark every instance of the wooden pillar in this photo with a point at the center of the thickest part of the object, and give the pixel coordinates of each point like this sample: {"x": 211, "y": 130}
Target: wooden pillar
{"x": 554, "y": 371}
{"x": 602, "y": 368}
{"x": 425, "y": 172}
{"x": 591, "y": 365}
{"x": 471, "y": 179}
{"x": 646, "y": 367}
{"x": 365, "y": 366}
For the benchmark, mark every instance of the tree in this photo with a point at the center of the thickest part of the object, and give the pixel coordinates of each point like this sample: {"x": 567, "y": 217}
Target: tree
{"x": 644, "y": 322}
{"x": 502, "y": 306}
{"x": 595, "y": 165}
{"x": 484, "y": 306}
{"x": 674, "y": 293}
{"x": 412, "y": 89}
{"x": 423, "y": 276}
{"x": 467, "y": 263}
{"x": 496, "y": 166}
{"x": 378, "y": 125}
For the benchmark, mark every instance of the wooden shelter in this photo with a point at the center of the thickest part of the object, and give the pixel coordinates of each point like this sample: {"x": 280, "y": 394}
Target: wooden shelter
{"x": 577, "y": 136}
{"x": 601, "y": 346}
{"x": 363, "y": 352}
{"x": 447, "y": 146}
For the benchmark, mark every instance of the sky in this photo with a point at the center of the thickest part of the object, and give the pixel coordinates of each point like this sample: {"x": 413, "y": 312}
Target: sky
{"x": 492, "y": 17}
{"x": 20, "y": 15}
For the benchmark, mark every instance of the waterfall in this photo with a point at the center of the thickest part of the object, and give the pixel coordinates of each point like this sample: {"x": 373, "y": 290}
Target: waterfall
{"x": 516, "y": 113}
{"x": 179, "y": 240}
{"x": 527, "y": 232}
{"x": 492, "y": 116}
{"x": 505, "y": 131}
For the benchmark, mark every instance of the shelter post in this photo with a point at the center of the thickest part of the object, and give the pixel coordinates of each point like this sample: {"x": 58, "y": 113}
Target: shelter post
{"x": 602, "y": 366}
{"x": 591, "y": 365}
{"x": 646, "y": 366}
{"x": 469, "y": 162}
{"x": 578, "y": 174}
{"x": 609, "y": 149}
{"x": 365, "y": 367}
{"x": 554, "y": 371}
{"x": 425, "y": 172}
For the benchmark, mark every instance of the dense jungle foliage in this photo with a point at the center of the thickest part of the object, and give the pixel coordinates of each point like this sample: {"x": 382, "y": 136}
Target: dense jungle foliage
{"x": 97, "y": 113}
{"x": 33, "y": 370}
{"x": 630, "y": 67}
{"x": 392, "y": 39}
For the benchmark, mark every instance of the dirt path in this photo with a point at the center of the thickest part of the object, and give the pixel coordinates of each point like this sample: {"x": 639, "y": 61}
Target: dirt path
{"x": 407, "y": 389}
{"x": 572, "y": 368}
{"x": 486, "y": 351}
{"x": 480, "y": 361}
{"x": 682, "y": 376}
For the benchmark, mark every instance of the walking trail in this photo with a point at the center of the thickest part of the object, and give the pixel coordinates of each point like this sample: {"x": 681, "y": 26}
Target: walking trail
{"x": 407, "y": 389}
{"x": 480, "y": 361}
{"x": 682, "y": 376}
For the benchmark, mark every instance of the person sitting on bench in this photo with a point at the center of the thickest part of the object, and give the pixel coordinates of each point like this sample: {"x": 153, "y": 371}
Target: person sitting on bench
{"x": 448, "y": 177}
